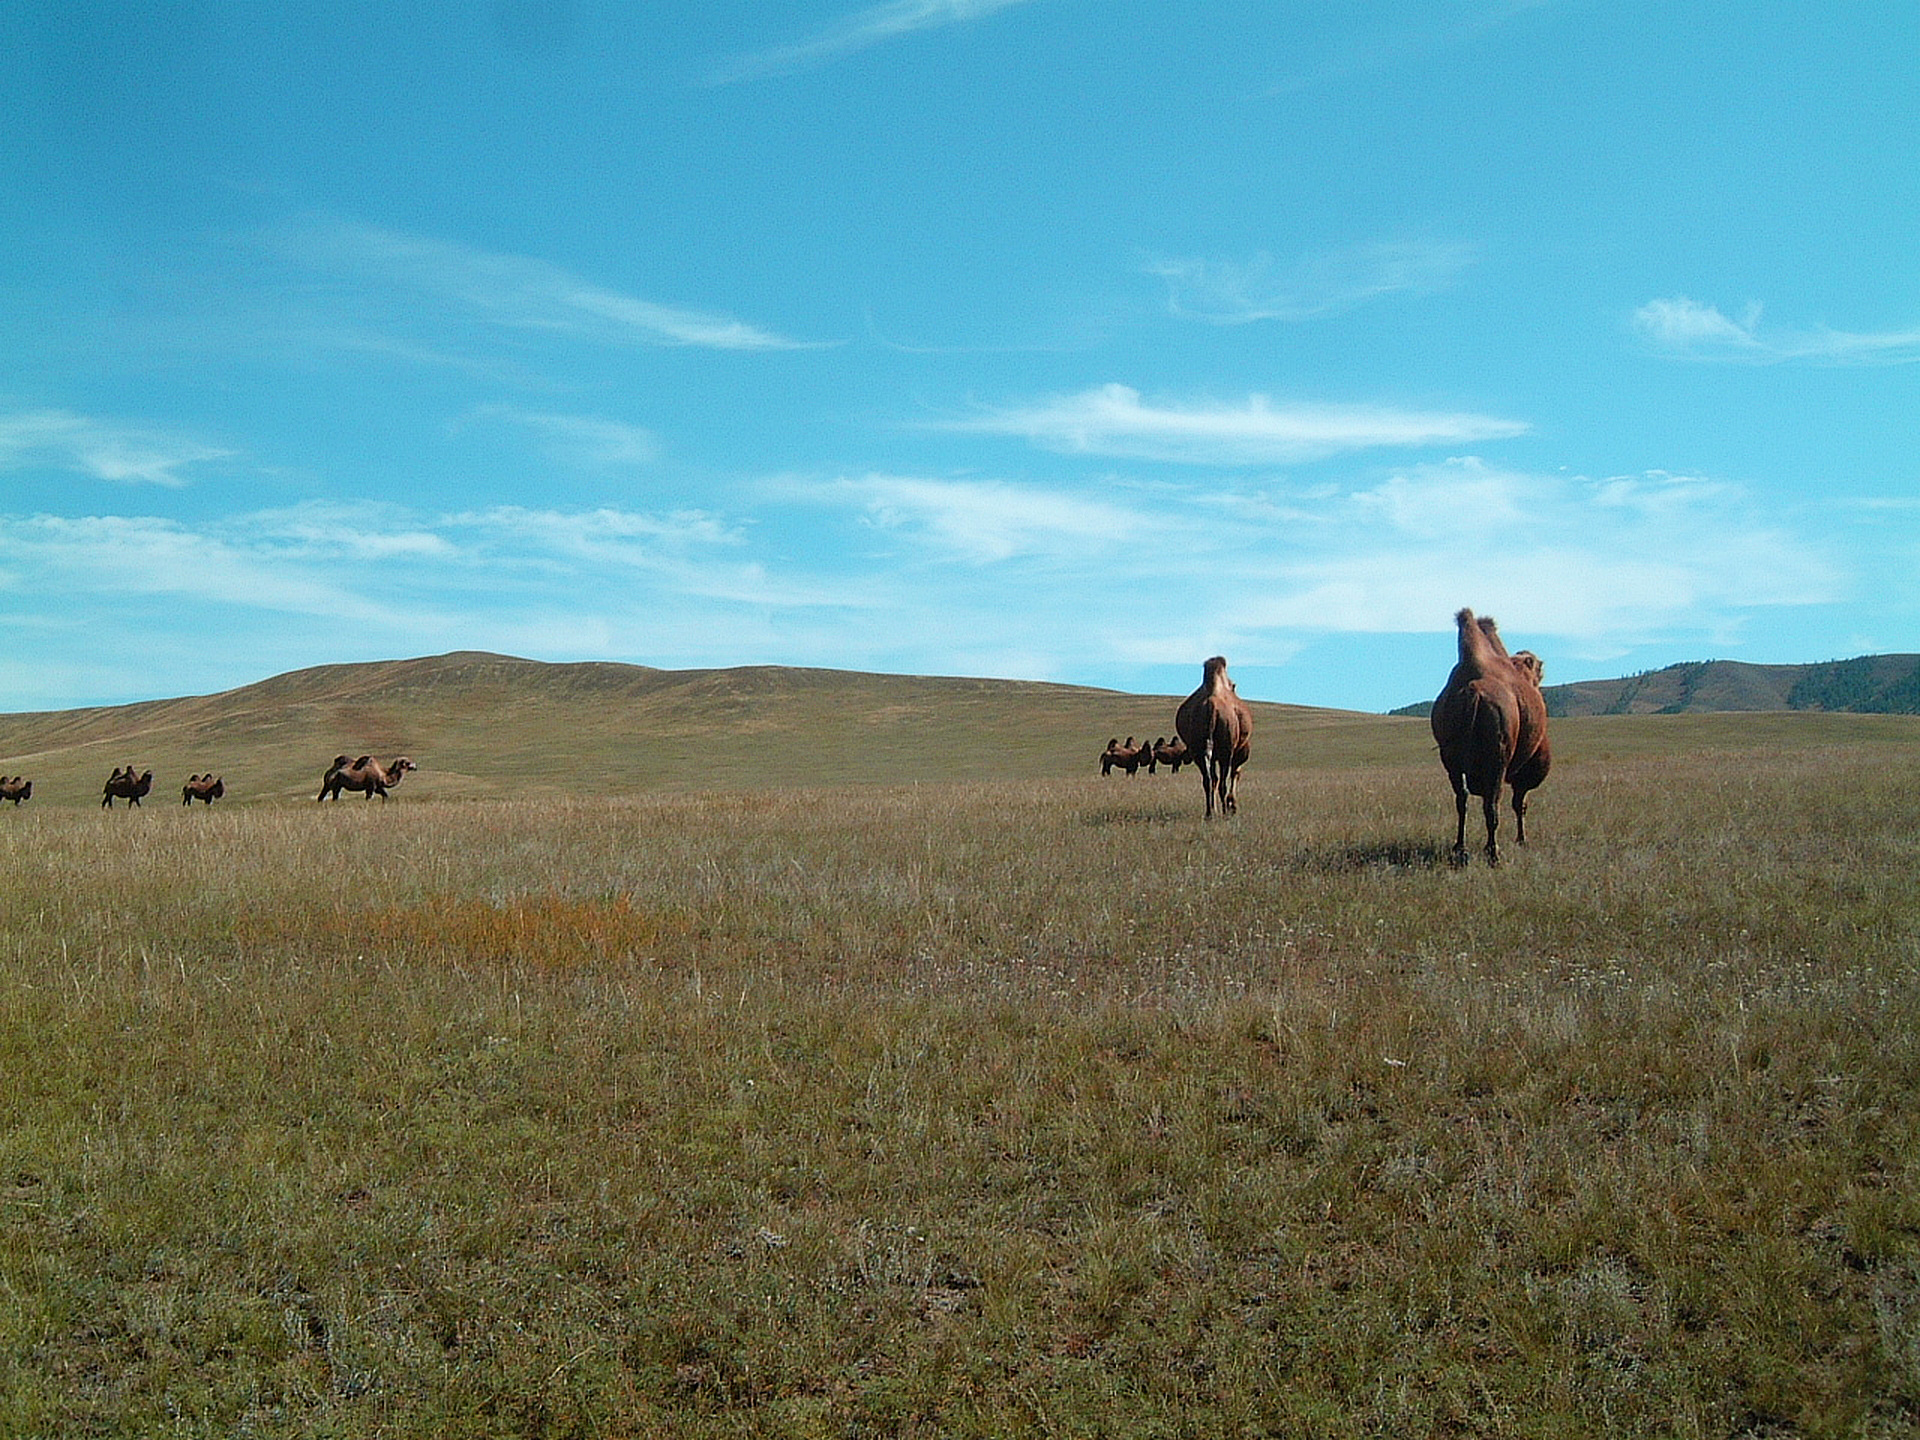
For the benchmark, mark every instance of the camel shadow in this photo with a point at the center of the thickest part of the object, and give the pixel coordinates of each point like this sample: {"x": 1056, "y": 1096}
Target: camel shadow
{"x": 1380, "y": 857}
{"x": 1116, "y": 815}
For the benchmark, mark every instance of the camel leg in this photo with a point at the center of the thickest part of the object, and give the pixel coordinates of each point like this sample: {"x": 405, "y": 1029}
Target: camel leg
{"x": 1491, "y": 807}
{"x": 1460, "y": 812}
{"x": 1520, "y": 816}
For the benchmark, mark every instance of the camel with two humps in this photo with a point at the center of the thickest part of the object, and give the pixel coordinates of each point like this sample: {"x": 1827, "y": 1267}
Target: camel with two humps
{"x": 15, "y": 788}
{"x": 1128, "y": 757}
{"x": 1217, "y": 728}
{"x": 204, "y": 788}
{"x": 365, "y": 775}
{"x": 1490, "y": 723}
{"x": 123, "y": 784}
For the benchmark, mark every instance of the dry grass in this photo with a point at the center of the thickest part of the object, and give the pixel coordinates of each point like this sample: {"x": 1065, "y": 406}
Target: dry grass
{"x": 975, "y": 1110}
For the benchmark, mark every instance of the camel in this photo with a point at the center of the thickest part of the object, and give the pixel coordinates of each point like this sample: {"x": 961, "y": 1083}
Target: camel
{"x": 16, "y": 789}
{"x": 366, "y": 774}
{"x": 207, "y": 788}
{"x": 1216, "y": 726}
{"x": 1490, "y": 723}
{"x": 125, "y": 785}
{"x": 1172, "y": 754}
{"x": 1128, "y": 757}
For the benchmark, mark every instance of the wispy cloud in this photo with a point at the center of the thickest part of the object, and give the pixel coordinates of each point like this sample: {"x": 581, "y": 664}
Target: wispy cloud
{"x": 588, "y": 441}
{"x": 1686, "y": 328}
{"x": 139, "y": 555}
{"x": 515, "y": 291}
{"x": 1608, "y": 561}
{"x": 1114, "y": 420}
{"x": 984, "y": 521}
{"x": 859, "y": 31}
{"x": 1238, "y": 292}
{"x": 101, "y": 449}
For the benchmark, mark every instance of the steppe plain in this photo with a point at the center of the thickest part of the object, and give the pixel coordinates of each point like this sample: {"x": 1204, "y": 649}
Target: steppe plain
{"x": 792, "y": 1054}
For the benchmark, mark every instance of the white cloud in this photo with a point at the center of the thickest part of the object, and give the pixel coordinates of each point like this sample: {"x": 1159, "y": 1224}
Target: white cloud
{"x": 516, "y": 291}
{"x": 585, "y": 440}
{"x": 1686, "y": 328}
{"x": 1114, "y": 420}
{"x": 1619, "y": 559}
{"x": 624, "y": 536}
{"x": 1238, "y": 292}
{"x": 111, "y": 555}
{"x": 104, "y": 450}
{"x": 989, "y": 520}
{"x": 860, "y": 31}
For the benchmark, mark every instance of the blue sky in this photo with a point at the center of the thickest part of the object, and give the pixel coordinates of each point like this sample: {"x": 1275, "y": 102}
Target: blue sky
{"x": 1055, "y": 339}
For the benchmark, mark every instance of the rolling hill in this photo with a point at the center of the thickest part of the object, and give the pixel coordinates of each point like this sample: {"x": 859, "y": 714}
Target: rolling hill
{"x": 1870, "y": 684}
{"x": 482, "y": 724}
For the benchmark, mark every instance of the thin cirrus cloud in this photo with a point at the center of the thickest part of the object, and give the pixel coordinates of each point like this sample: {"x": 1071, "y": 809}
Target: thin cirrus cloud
{"x": 101, "y": 449}
{"x": 515, "y": 291}
{"x": 589, "y": 441}
{"x": 983, "y": 521}
{"x": 1686, "y": 328}
{"x": 1602, "y": 562}
{"x": 1114, "y": 420}
{"x": 859, "y": 31}
{"x": 1240, "y": 292}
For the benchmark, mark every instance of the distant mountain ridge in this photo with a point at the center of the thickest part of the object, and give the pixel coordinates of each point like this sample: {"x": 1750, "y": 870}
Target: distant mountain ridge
{"x": 1866, "y": 685}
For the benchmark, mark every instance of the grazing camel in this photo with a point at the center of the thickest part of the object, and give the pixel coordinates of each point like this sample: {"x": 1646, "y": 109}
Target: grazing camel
{"x": 206, "y": 788}
{"x": 16, "y": 789}
{"x": 1216, "y": 726}
{"x": 366, "y": 774}
{"x": 1128, "y": 757}
{"x": 1171, "y": 753}
{"x": 1491, "y": 725}
{"x": 125, "y": 785}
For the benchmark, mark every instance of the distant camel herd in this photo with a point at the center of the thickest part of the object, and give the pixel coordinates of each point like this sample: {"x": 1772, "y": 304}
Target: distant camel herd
{"x": 364, "y": 776}
{"x": 1489, "y": 722}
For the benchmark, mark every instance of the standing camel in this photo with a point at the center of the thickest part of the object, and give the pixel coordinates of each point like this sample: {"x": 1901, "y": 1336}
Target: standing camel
{"x": 366, "y": 774}
{"x": 125, "y": 785}
{"x": 1491, "y": 725}
{"x": 204, "y": 788}
{"x": 1217, "y": 728}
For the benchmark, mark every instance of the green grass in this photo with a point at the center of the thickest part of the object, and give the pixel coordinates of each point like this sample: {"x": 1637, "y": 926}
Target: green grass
{"x": 1032, "y": 1107}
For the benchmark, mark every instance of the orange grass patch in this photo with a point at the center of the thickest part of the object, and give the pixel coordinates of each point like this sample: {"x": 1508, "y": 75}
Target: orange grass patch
{"x": 544, "y": 932}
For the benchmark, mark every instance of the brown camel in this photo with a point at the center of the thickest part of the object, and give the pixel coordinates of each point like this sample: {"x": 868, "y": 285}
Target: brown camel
{"x": 366, "y": 774}
{"x": 1491, "y": 725}
{"x": 16, "y": 789}
{"x": 205, "y": 788}
{"x": 1216, "y": 726}
{"x": 1171, "y": 753}
{"x": 1128, "y": 757}
{"x": 125, "y": 785}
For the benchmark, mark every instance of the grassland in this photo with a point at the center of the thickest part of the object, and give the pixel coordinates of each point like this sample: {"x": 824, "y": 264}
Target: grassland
{"x": 985, "y": 1107}
{"x": 490, "y": 725}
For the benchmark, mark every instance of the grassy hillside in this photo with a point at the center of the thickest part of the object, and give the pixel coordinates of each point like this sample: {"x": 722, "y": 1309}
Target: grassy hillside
{"x": 481, "y": 725}
{"x": 1869, "y": 684}
{"x": 1008, "y": 1107}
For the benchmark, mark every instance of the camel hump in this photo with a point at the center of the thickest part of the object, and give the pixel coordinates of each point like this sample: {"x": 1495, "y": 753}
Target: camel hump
{"x": 1479, "y": 638}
